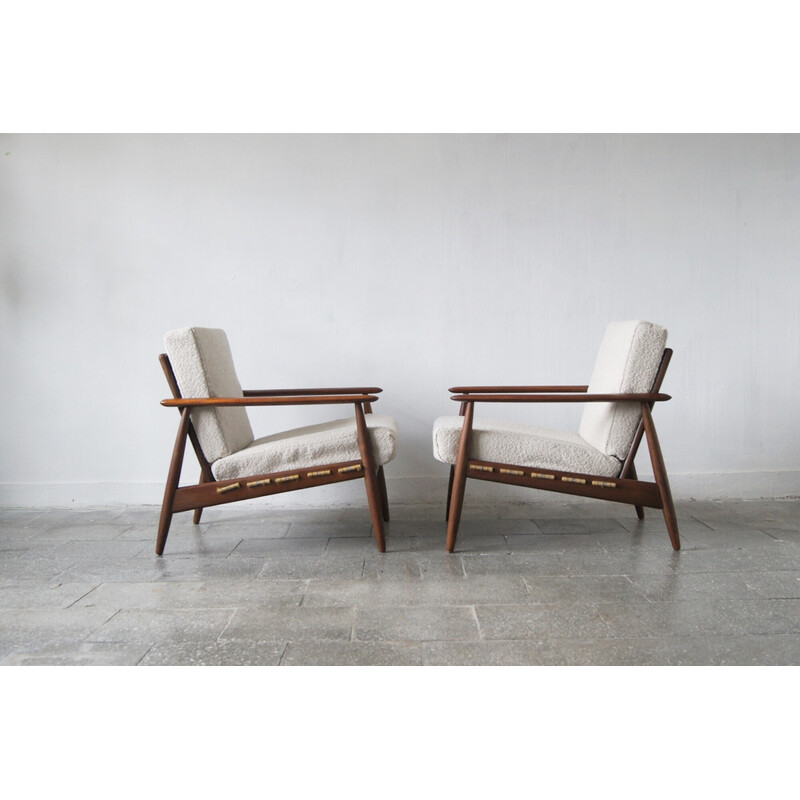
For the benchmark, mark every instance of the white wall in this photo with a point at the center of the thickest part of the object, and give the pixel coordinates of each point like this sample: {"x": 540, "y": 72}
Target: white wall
{"x": 413, "y": 262}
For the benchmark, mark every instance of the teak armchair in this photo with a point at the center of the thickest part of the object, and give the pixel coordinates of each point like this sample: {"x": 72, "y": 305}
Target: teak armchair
{"x": 597, "y": 461}
{"x": 233, "y": 465}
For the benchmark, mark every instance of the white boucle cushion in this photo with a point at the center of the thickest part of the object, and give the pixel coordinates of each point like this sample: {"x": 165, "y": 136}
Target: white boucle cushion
{"x": 310, "y": 446}
{"x": 203, "y": 366}
{"x": 628, "y": 361}
{"x": 522, "y": 445}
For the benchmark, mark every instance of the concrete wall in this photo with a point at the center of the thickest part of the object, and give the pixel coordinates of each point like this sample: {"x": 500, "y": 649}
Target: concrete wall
{"x": 413, "y": 262}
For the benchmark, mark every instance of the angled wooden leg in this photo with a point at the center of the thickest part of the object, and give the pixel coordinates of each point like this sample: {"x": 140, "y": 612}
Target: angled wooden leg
{"x": 632, "y": 476}
{"x": 461, "y": 410}
{"x": 662, "y": 481}
{"x": 370, "y": 479}
{"x": 173, "y": 478}
{"x": 449, "y": 494}
{"x": 384, "y": 495}
{"x": 459, "y": 479}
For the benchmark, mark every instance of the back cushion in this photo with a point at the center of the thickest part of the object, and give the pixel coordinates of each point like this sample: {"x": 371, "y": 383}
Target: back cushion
{"x": 628, "y": 361}
{"x": 203, "y": 366}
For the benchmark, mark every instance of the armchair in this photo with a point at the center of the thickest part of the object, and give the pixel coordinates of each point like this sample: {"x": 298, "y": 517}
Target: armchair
{"x": 234, "y": 465}
{"x": 598, "y": 460}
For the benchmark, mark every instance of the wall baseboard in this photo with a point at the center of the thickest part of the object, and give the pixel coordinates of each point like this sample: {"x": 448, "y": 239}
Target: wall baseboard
{"x": 402, "y": 491}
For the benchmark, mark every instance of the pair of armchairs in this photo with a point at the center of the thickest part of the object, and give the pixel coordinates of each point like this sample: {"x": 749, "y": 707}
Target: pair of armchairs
{"x": 597, "y": 461}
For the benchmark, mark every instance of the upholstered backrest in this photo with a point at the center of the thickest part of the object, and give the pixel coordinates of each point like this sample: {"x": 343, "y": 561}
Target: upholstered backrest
{"x": 628, "y": 361}
{"x": 203, "y": 366}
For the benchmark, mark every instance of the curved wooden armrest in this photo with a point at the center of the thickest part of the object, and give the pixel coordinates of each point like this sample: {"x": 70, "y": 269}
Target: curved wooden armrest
{"x": 641, "y": 397}
{"x": 303, "y": 392}
{"x": 192, "y": 402}
{"x": 514, "y": 389}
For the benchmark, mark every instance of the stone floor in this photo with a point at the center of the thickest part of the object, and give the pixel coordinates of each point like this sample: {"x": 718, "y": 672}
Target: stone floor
{"x": 582, "y": 583}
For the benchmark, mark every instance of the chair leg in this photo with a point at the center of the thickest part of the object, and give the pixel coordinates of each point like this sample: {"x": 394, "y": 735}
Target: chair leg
{"x": 370, "y": 479}
{"x": 449, "y": 494}
{"x": 173, "y": 479}
{"x": 632, "y": 475}
{"x": 459, "y": 480}
{"x": 662, "y": 481}
{"x": 384, "y": 494}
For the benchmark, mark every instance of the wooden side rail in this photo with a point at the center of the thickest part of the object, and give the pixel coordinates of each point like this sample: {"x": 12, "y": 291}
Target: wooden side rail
{"x": 620, "y": 490}
{"x": 639, "y": 397}
{"x": 514, "y": 389}
{"x": 301, "y": 392}
{"x": 306, "y": 400}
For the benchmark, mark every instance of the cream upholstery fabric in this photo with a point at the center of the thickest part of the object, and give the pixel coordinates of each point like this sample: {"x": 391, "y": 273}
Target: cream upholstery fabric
{"x": 522, "y": 445}
{"x": 311, "y": 446}
{"x": 628, "y": 361}
{"x": 203, "y": 366}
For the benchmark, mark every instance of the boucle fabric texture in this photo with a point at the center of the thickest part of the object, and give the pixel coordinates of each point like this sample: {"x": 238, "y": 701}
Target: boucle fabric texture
{"x": 628, "y": 361}
{"x": 521, "y": 445}
{"x": 310, "y": 446}
{"x": 203, "y": 366}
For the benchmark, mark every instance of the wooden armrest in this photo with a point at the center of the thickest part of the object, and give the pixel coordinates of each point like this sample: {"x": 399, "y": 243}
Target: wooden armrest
{"x": 514, "y": 389}
{"x": 645, "y": 397}
{"x": 183, "y": 402}
{"x": 303, "y": 392}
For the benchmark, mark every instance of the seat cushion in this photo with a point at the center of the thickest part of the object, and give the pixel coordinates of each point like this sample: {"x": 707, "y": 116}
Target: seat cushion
{"x": 310, "y": 446}
{"x": 521, "y": 445}
{"x": 203, "y": 366}
{"x": 628, "y": 361}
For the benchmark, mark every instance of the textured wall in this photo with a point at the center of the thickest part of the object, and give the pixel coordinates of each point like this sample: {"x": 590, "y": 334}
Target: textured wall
{"x": 411, "y": 261}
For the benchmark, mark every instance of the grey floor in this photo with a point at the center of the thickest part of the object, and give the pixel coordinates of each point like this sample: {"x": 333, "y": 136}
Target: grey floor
{"x": 544, "y": 583}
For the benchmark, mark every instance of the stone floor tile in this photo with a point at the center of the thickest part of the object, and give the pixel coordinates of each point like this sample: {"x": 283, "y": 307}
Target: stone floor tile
{"x": 152, "y": 625}
{"x": 289, "y": 568}
{"x": 534, "y": 621}
{"x": 327, "y": 530}
{"x": 344, "y": 654}
{"x": 774, "y": 585}
{"x": 363, "y": 546}
{"x": 265, "y": 548}
{"x": 229, "y": 594}
{"x": 244, "y": 652}
{"x": 415, "y": 623}
{"x": 27, "y": 594}
{"x": 583, "y": 589}
{"x": 77, "y": 655}
{"x": 290, "y": 624}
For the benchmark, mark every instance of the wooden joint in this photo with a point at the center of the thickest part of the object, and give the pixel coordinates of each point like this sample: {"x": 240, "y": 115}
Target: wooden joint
{"x": 353, "y": 468}
{"x": 287, "y": 478}
{"x": 319, "y": 473}
{"x": 256, "y": 484}
{"x": 543, "y": 476}
{"x": 572, "y": 480}
{"x": 482, "y": 468}
{"x": 605, "y": 484}
{"x": 229, "y": 488}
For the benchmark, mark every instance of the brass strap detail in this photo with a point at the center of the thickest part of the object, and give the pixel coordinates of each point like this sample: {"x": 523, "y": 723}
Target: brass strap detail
{"x": 318, "y": 473}
{"x": 512, "y": 471}
{"x": 262, "y": 482}
{"x": 354, "y": 468}
{"x": 572, "y": 480}
{"x": 229, "y": 488}
{"x": 287, "y": 478}
{"x": 482, "y": 468}
{"x": 543, "y": 475}
{"x": 606, "y": 484}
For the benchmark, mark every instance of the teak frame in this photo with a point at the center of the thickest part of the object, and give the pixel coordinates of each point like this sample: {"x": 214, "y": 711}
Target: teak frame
{"x": 211, "y": 492}
{"x": 626, "y": 488}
